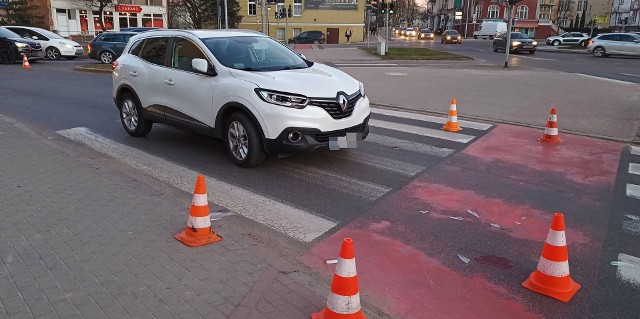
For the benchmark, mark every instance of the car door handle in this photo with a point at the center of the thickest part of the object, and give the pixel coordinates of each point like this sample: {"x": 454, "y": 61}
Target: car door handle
{"x": 169, "y": 82}
{"x": 133, "y": 73}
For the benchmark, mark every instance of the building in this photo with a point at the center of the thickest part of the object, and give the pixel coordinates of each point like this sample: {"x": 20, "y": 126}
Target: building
{"x": 79, "y": 17}
{"x": 525, "y": 15}
{"x": 332, "y": 17}
{"x": 625, "y": 15}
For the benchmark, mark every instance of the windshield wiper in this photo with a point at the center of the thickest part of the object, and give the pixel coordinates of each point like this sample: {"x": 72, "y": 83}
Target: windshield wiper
{"x": 249, "y": 69}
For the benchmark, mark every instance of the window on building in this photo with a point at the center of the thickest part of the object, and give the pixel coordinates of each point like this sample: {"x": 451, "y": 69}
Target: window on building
{"x": 522, "y": 13}
{"x": 152, "y": 20}
{"x": 128, "y": 20}
{"x": 252, "y": 8}
{"x": 297, "y": 31}
{"x": 84, "y": 23}
{"x": 297, "y": 8}
{"x": 506, "y": 12}
{"x": 107, "y": 20}
{"x": 280, "y": 6}
{"x": 633, "y": 18}
{"x": 621, "y": 2}
{"x": 280, "y": 34}
{"x": 157, "y": 3}
{"x": 582, "y": 4}
{"x": 493, "y": 11}
{"x": 478, "y": 12}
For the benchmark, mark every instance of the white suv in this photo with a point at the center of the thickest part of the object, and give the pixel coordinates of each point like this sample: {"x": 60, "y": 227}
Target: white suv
{"x": 242, "y": 86}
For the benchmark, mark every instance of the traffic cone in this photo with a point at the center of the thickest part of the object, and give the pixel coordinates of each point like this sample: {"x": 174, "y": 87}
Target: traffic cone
{"x": 551, "y": 130}
{"x": 452, "y": 122}
{"x": 198, "y": 231}
{"x": 552, "y": 278}
{"x": 344, "y": 301}
{"x": 25, "y": 62}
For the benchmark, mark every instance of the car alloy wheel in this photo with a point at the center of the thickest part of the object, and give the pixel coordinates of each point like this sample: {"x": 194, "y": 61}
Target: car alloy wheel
{"x": 53, "y": 53}
{"x": 131, "y": 117}
{"x": 244, "y": 141}
{"x": 599, "y": 52}
{"x": 129, "y": 114}
{"x": 106, "y": 57}
{"x": 238, "y": 140}
{"x": 555, "y": 43}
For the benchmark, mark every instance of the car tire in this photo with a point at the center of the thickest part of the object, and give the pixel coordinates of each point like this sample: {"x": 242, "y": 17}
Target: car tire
{"x": 316, "y": 42}
{"x": 131, "y": 116}
{"x": 555, "y": 43}
{"x": 495, "y": 48}
{"x": 475, "y": 36}
{"x": 243, "y": 140}
{"x": 106, "y": 57}
{"x": 599, "y": 52}
{"x": 532, "y": 51}
{"x": 52, "y": 53}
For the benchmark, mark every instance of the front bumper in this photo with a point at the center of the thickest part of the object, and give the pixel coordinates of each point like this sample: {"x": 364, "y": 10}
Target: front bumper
{"x": 522, "y": 48}
{"x": 31, "y": 54}
{"x": 314, "y": 139}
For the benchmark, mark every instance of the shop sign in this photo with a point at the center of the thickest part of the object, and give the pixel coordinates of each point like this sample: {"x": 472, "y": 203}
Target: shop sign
{"x": 331, "y": 5}
{"x": 128, "y": 8}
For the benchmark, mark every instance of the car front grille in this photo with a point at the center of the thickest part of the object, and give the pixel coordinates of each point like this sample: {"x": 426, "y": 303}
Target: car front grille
{"x": 333, "y": 108}
{"x": 35, "y": 46}
{"x": 325, "y": 136}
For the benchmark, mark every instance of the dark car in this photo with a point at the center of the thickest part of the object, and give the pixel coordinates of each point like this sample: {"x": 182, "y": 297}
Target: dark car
{"x": 108, "y": 46}
{"x": 13, "y": 47}
{"x": 519, "y": 42}
{"x": 426, "y": 34}
{"x": 139, "y": 29}
{"x": 451, "y": 36}
{"x": 308, "y": 37}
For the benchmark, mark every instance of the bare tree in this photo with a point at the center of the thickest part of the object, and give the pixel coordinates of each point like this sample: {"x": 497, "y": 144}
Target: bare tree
{"x": 97, "y": 5}
{"x": 178, "y": 16}
{"x": 566, "y": 12}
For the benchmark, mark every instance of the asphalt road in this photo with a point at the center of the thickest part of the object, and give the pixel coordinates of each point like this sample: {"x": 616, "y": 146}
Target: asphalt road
{"x": 617, "y": 68}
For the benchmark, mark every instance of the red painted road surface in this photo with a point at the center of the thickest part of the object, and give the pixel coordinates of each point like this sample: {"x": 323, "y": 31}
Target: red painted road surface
{"x": 407, "y": 246}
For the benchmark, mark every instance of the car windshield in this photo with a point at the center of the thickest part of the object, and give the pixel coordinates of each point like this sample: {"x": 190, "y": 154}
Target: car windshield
{"x": 48, "y": 34}
{"x": 516, "y": 35}
{"x": 254, "y": 53}
{"x": 453, "y": 32}
{"x": 8, "y": 34}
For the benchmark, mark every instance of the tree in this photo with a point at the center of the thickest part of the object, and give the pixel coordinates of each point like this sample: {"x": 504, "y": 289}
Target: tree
{"x": 204, "y": 13}
{"x": 97, "y": 5}
{"x": 564, "y": 14}
{"x": 20, "y": 12}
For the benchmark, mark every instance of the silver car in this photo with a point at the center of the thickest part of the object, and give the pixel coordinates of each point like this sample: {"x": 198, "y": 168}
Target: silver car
{"x": 607, "y": 44}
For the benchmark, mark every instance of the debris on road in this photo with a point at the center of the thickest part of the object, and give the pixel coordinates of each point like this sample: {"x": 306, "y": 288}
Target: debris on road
{"x": 523, "y": 218}
{"x": 464, "y": 259}
{"x": 220, "y": 214}
{"x": 332, "y": 261}
{"x": 424, "y": 211}
{"x": 456, "y": 218}
{"x": 519, "y": 223}
{"x": 473, "y": 213}
{"x": 495, "y": 225}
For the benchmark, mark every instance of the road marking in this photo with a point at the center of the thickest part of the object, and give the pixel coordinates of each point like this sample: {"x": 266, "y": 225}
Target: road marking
{"x": 395, "y": 74}
{"x": 635, "y": 150}
{"x": 365, "y": 64}
{"x": 423, "y": 131}
{"x": 382, "y": 163}
{"x": 294, "y": 222}
{"x": 605, "y": 79}
{"x": 533, "y": 58}
{"x": 429, "y": 118}
{"x": 634, "y": 75}
{"x": 631, "y": 226}
{"x": 628, "y": 269}
{"x": 409, "y": 145}
{"x": 634, "y": 168}
{"x": 336, "y": 181}
{"x": 633, "y": 190}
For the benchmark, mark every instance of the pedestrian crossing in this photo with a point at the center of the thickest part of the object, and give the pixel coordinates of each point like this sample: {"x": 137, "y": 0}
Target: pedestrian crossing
{"x": 304, "y": 195}
{"x": 633, "y": 190}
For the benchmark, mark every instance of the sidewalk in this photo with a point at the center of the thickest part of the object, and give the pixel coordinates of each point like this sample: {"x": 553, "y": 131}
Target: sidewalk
{"x": 80, "y": 239}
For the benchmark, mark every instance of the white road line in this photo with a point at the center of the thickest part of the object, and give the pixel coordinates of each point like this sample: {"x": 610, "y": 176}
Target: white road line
{"x": 281, "y": 217}
{"x": 628, "y": 269}
{"x": 395, "y": 74}
{"x": 409, "y": 145}
{"x": 634, "y": 75}
{"x": 633, "y": 190}
{"x": 634, "y": 168}
{"x": 533, "y": 58}
{"x": 455, "y": 137}
{"x": 605, "y": 79}
{"x": 365, "y": 64}
{"x": 635, "y": 150}
{"x": 378, "y": 162}
{"x": 429, "y": 118}
{"x": 346, "y": 184}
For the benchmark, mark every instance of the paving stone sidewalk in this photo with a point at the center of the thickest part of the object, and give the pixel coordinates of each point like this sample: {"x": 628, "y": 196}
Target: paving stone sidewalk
{"x": 79, "y": 239}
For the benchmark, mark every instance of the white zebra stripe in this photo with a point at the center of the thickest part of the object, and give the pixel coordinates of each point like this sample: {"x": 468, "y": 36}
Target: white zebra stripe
{"x": 551, "y": 130}
{"x": 635, "y": 150}
{"x": 553, "y": 118}
{"x": 633, "y": 190}
{"x": 553, "y": 268}
{"x": 199, "y": 200}
{"x": 409, "y": 145}
{"x": 346, "y": 268}
{"x": 199, "y": 222}
{"x": 556, "y": 238}
{"x": 344, "y": 305}
{"x": 430, "y": 118}
{"x": 634, "y": 168}
{"x": 423, "y": 131}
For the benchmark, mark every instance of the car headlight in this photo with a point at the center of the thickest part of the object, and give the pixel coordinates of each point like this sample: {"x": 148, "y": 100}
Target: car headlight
{"x": 283, "y": 99}
{"x": 534, "y": 43}
{"x": 66, "y": 45}
{"x": 515, "y": 43}
{"x": 361, "y": 89}
{"x": 448, "y": 38}
{"x": 21, "y": 45}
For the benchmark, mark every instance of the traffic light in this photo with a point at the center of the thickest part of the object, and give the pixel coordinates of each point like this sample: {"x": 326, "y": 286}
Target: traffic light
{"x": 383, "y": 7}
{"x": 289, "y": 11}
{"x": 391, "y": 5}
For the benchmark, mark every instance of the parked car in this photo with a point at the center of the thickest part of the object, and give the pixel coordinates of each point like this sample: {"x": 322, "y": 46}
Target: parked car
{"x": 606, "y": 44}
{"x": 308, "y": 37}
{"x": 13, "y": 48}
{"x": 426, "y": 34}
{"x": 139, "y": 29}
{"x": 241, "y": 86}
{"x": 570, "y": 38}
{"x": 55, "y": 46}
{"x": 490, "y": 29}
{"x": 519, "y": 42}
{"x": 451, "y": 36}
{"x": 410, "y": 32}
{"x": 108, "y": 46}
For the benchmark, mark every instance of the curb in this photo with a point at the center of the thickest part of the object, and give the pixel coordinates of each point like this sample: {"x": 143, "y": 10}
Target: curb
{"x": 90, "y": 69}
{"x": 564, "y": 51}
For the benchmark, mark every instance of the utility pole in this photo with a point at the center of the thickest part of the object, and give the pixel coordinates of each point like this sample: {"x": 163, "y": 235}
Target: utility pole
{"x": 386, "y": 28}
{"x": 226, "y": 16}
{"x": 466, "y": 20}
{"x": 507, "y": 46}
{"x": 263, "y": 6}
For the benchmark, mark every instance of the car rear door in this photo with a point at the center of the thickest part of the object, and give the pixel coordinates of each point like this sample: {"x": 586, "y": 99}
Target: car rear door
{"x": 120, "y": 42}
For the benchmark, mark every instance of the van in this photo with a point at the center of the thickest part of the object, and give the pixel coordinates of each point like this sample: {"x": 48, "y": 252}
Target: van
{"x": 490, "y": 29}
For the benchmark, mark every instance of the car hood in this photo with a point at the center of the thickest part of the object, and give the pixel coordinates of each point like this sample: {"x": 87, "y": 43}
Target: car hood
{"x": 73, "y": 43}
{"x": 522, "y": 40}
{"x": 318, "y": 80}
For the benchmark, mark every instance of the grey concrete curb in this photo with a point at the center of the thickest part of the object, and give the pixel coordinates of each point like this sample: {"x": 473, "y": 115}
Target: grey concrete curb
{"x": 88, "y": 68}
{"x": 564, "y": 50}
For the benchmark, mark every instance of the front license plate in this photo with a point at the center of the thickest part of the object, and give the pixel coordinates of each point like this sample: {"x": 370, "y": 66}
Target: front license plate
{"x": 527, "y": 47}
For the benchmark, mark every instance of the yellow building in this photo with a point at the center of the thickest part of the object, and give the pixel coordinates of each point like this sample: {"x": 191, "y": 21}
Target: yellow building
{"x": 332, "y": 17}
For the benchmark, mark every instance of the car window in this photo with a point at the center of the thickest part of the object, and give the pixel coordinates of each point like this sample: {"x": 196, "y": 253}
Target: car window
{"x": 303, "y": 35}
{"x": 155, "y": 50}
{"x": 6, "y": 33}
{"x": 136, "y": 47}
{"x": 254, "y": 53}
{"x": 123, "y": 38}
{"x": 106, "y": 38}
{"x": 627, "y": 38}
{"x": 184, "y": 51}
{"x": 566, "y": 35}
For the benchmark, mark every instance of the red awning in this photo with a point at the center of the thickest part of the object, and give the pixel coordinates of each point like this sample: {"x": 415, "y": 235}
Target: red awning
{"x": 526, "y": 24}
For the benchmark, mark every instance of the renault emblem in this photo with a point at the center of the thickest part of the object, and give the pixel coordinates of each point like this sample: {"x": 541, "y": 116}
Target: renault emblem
{"x": 343, "y": 102}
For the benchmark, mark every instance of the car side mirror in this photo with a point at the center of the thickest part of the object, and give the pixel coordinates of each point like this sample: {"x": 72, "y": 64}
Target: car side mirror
{"x": 202, "y": 66}
{"x": 34, "y": 37}
{"x": 302, "y": 56}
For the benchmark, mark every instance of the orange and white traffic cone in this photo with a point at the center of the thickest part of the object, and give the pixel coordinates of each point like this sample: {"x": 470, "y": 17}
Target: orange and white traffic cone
{"x": 551, "y": 130}
{"x": 552, "y": 278}
{"x": 344, "y": 301}
{"x": 25, "y": 62}
{"x": 452, "y": 122}
{"x": 198, "y": 231}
